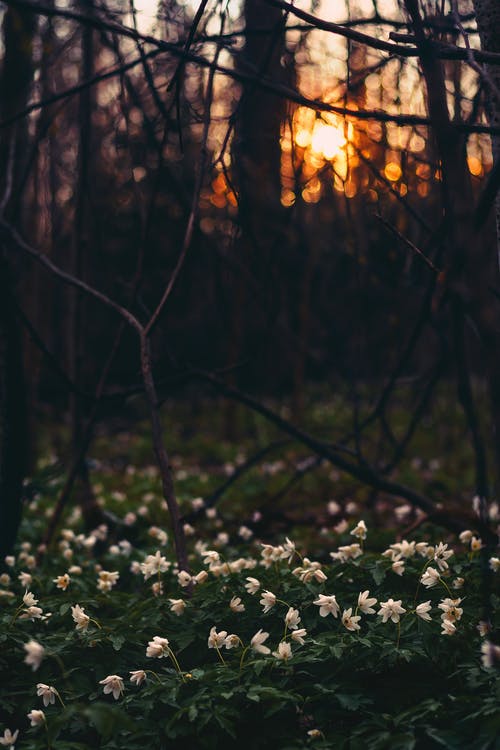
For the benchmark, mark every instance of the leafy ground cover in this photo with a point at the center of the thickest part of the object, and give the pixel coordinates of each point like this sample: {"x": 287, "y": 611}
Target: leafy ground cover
{"x": 299, "y": 625}
{"x": 260, "y": 645}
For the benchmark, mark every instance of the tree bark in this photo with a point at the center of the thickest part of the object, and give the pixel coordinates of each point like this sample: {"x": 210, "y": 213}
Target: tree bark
{"x": 488, "y": 24}
{"x": 15, "y": 82}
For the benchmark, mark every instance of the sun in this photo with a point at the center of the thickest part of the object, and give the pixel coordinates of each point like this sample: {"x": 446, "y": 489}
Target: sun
{"x": 326, "y": 136}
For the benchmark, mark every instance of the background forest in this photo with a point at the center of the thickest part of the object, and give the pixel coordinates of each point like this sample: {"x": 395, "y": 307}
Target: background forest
{"x": 249, "y": 288}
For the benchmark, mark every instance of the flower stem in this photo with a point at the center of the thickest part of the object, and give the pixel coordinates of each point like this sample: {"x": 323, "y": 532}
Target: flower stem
{"x": 220, "y": 655}
{"x": 243, "y": 657}
{"x": 176, "y": 663}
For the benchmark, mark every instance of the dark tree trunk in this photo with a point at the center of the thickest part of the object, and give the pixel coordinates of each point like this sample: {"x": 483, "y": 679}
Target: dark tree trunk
{"x": 15, "y": 82}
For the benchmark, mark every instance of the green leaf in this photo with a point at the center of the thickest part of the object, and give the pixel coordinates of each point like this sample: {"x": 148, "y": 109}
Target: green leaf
{"x": 117, "y": 640}
{"x": 353, "y": 701}
{"x": 108, "y": 719}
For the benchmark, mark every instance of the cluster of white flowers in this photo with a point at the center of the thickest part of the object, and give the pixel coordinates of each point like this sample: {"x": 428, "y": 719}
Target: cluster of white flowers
{"x": 31, "y": 611}
{"x": 347, "y": 552}
{"x": 452, "y": 613}
{"x": 350, "y": 615}
{"x": 309, "y": 570}
{"x": 271, "y": 554}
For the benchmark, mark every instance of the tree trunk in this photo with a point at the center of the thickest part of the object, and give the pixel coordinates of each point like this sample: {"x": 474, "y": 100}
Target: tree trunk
{"x": 488, "y": 24}
{"x": 15, "y": 82}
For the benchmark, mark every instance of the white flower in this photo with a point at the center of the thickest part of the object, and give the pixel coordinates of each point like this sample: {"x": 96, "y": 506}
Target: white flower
{"x": 257, "y": 640}
{"x": 184, "y": 578}
{"x": 157, "y": 588}
{"x": 253, "y": 585}
{"x": 327, "y": 605}
{"x": 391, "y": 554}
{"x": 211, "y": 557}
{"x": 465, "y": 536}
{"x": 447, "y": 627}
{"x": 10, "y": 561}
{"x": 268, "y": 600}
{"x": 270, "y": 554}
{"x": 107, "y": 580}
{"x": 320, "y": 576}
{"x": 158, "y": 647}
{"x": 288, "y": 550}
{"x": 292, "y": 618}
{"x": 476, "y": 544}
{"x": 8, "y": 738}
{"x": 138, "y": 677}
{"x": 31, "y": 613}
{"x": 154, "y": 564}
{"x": 37, "y": 717}
{"x": 160, "y": 535}
{"x": 62, "y": 582}
{"x": 177, "y": 606}
{"x": 125, "y": 548}
{"x": 315, "y": 733}
{"x": 198, "y": 503}
{"x": 483, "y": 628}
{"x": 284, "y": 651}
{"x": 441, "y": 554}
{"x": 403, "y": 549}
{"x": 341, "y": 526}
{"x": 25, "y": 578}
{"x": 490, "y": 654}
{"x": 232, "y": 641}
{"x": 365, "y": 603}
{"x": 222, "y": 539}
{"x": 34, "y": 654}
{"x": 245, "y": 533}
{"x": 349, "y": 621}
{"x": 398, "y": 567}
{"x": 113, "y": 683}
{"x": 29, "y": 599}
{"x": 299, "y": 635}
{"x": 347, "y": 552}
{"x": 451, "y": 610}
{"x": 391, "y": 610}
{"x": 458, "y": 583}
{"x": 78, "y": 614}
{"x": 333, "y": 508}
{"x": 430, "y": 578}
{"x": 360, "y": 530}
{"x": 495, "y": 564}
{"x": 424, "y": 549}
{"x": 46, "y": 692}
{"x": 308, "y": 571}
{"x": 423, "y": 610}
{"x": 200, "y": 577}
{"x": 236, "y": 605}
{"x": 215, "y": 639}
